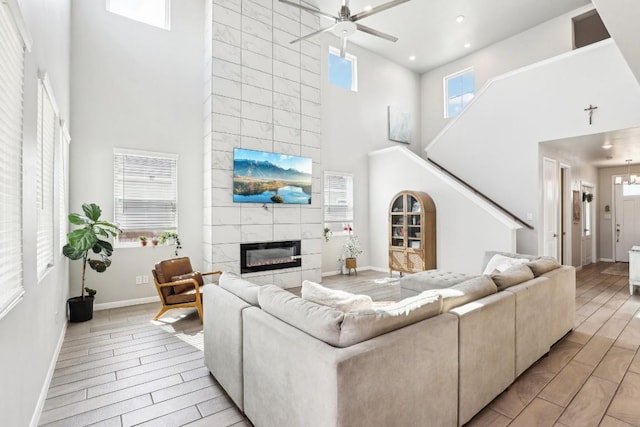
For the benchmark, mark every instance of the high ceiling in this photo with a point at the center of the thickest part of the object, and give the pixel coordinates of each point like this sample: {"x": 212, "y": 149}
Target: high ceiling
{"x": 428, "y": 28}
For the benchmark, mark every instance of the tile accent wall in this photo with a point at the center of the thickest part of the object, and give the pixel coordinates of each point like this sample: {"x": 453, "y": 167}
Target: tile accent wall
{"x": 261, "y": 93}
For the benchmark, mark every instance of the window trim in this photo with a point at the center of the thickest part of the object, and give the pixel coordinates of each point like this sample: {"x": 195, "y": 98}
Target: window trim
{"x": 167, "y": 15}
{"x": 445, "y": 89}
{"x": 159, "y": 155}
{"x": 354, "y": 67}
{"x": 337, "y": 224}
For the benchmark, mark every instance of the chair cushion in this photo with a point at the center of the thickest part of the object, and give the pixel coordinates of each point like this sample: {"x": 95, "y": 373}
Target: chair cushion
{"x": 340, "y": 300}
{"x": 173, "y": 267}
{"x": 181, "y": 298}
{"x": 241, "y": 288}
{"x": 512, "y": 276}
{"x": 178, "y": 289}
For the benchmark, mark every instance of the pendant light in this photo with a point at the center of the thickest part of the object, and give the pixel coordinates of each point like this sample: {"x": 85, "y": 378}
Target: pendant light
{"x": 630, "y": 179}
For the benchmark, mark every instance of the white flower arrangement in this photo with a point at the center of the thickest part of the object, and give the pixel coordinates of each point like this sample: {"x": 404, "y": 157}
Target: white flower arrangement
{"x": 352, "y": 246}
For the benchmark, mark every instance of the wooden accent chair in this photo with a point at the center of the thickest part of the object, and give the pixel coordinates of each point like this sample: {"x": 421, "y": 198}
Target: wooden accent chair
{"x": 178, "y": 285}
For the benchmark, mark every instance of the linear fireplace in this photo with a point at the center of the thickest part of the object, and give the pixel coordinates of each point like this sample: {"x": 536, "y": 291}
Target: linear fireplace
{"x": 269, "y": 256}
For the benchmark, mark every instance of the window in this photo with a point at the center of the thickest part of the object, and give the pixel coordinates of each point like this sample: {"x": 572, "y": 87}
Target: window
{"x": 46, "y": 135}
{"x": 63, "y": 161}
{"x": 145, "y": 194}
{"x": 152, "y": 12}
{"x": 343, "y": 72}
{"x": 458, "y": 91}
{"x": 12, "y": 47}
{"x": 338, "y": 199}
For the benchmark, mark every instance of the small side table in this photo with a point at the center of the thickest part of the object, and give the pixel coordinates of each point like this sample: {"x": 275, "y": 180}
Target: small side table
{"x": 634, "y": 268}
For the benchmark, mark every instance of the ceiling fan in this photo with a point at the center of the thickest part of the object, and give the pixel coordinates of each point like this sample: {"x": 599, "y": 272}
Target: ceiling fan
{"x": 345, "y": 23}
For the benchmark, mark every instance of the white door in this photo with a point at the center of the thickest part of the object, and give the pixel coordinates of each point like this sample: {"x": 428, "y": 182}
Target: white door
{"x": 627, "y": 231}
{"x": 587, "y": 225}
{"x": 550, "y": 207}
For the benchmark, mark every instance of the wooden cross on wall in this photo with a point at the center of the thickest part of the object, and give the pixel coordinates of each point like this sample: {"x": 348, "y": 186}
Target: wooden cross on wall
{"x": 590, "y": 110}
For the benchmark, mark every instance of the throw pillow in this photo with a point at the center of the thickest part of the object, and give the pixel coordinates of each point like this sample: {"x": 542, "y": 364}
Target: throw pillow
{"x": 178, "y": 289}
{"x": 340, "y": 300}
{"x": 500, "y": 263}
{"x": 543, "y": 265}
{"x": 512, "y": 276}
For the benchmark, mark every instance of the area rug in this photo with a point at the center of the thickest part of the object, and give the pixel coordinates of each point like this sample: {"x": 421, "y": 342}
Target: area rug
{"x": 386, "y": 280}
{"x": 617, "y": 269}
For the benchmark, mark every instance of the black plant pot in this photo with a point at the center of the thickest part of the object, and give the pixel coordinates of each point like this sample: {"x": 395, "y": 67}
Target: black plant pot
{"x": 80, "y": 310}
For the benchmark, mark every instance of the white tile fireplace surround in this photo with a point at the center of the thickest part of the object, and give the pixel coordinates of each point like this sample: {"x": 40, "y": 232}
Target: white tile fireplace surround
{"x": 261, "y": 93}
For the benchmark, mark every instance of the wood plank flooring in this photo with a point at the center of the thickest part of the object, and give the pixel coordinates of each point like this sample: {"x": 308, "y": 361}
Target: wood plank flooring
{"x": 122, "y": 369}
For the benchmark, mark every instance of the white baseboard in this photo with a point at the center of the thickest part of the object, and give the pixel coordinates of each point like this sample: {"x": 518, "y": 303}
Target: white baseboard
{"x": 125, "y": 303}
{"x": 606, "y": 260}
{"x": 47, "y": 382}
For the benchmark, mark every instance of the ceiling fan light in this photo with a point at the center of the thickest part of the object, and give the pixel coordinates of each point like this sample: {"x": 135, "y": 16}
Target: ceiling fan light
{"x": 618, "y": 180}
{"x": 459, "y": 18}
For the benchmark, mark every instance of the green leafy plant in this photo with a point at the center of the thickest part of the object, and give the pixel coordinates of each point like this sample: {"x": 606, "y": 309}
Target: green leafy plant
{"x": 143, "y": 238}
{"x": 89, "y": 238}
{"x": 173, "y": 236}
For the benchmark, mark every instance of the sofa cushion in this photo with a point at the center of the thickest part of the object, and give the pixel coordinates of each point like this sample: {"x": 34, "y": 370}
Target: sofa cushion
{"x": 499, "y": 263}
{"x": 512, "y": 276}
{"x": 340, "y": 300}
{"x": 431, "y": 279}
{"x": 467, "y": 291}
{"x": 344, "y": 329}
{"x": 543, "y": 265}
{"x": 241, "y": 288}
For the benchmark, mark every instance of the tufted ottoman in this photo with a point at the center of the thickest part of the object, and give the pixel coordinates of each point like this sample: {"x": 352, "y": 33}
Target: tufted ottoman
{"x": 414, "y": 284}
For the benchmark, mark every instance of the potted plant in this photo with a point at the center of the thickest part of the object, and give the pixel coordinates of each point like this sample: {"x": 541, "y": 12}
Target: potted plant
{"x": 79, "y": 242}
{"x": 143, "y": 240}
{"x": 173, "y": 236}
{"x": 352, "y": 249}
{"x": 155, "y": 241}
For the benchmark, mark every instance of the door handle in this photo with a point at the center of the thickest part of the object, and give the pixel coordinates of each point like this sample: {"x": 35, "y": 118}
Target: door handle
{"x": 617, "y": 233}
{"x": 555, "y": 235}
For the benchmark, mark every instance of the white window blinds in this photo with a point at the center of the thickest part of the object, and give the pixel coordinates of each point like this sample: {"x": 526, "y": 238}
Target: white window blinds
{"x": 338, "y": 197}
{"x": 46, "y": 139}
{"x": 145, "y": 193}
{"x": 11, "y": 96}
{"x": 63, "y": 161}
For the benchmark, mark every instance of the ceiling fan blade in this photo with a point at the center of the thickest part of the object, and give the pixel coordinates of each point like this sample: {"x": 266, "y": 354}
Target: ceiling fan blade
{"x": 343, "y": 47}
{"x": 315, "y": 33}
{"x": 310, "y": 9}
{"x": 377, "y": 9}
{"x": 376, "y": 33}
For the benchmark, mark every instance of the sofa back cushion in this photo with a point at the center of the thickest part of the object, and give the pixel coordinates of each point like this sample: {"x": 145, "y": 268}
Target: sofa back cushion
{"x": 467, "y": 291}
{"x": 543, "y": 265}
{"x": 241, "y": 288}
{"x": 344, "y": 329}
{"x": 512, "y": 276}
{"x": 334, "y": 298}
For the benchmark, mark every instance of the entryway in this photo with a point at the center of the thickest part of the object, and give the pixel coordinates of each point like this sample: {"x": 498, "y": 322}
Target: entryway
{"x": 627, "y": 231}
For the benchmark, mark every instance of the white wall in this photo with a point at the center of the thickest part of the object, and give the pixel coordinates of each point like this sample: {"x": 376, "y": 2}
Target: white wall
{"x": 541, "y": 42}
{"x": 466, "y": 226}
{"x": 354, "y": 124}
{"x": 493, "y": 144}
{"x": 31, "y": 332}
{"x": 136, "y": 86}
{"x": 605, "y": 197}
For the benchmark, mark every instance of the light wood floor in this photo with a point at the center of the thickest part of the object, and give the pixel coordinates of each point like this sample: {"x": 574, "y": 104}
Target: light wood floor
{"x": 121, "y": 369}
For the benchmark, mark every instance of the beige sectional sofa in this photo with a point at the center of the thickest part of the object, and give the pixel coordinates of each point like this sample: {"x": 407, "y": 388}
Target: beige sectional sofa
{"x": 436, "y": 357}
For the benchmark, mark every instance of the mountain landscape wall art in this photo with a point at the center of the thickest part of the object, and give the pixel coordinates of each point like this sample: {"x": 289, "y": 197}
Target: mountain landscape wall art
{"x": 263, "y": 177}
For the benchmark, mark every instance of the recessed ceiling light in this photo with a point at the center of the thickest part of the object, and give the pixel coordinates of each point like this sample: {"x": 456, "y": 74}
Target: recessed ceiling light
{"x": 412, "y": 58}
{"x": 467, "y": 45}
{"x": 459, "y": 18}
{"x": 368, "y": 7}
{"x": 607, "y": 145}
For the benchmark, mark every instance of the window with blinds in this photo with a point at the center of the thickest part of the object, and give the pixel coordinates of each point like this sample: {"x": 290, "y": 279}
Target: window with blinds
{"x": 11, "y": 98}
{"x": 46, "y": 139}
{"x": 145, "y": 194}
{"x": 63, "y": 160}
{"x": 338, "y": 197}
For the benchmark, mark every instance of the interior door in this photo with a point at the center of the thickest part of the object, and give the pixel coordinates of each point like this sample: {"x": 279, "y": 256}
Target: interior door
{"x": 627, "y": 233}
{"x": 550, "y": 207}
{"x": 587, "y": 225}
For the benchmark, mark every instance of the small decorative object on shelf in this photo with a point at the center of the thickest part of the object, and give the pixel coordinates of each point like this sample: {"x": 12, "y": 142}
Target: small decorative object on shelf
{"x": 173, "y": 236}
{"x": 155, "y": 241}
{"x": 143, "y": 240}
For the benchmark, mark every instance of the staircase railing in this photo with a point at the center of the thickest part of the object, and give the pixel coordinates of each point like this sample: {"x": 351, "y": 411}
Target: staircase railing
{"x": 481, "y": 194}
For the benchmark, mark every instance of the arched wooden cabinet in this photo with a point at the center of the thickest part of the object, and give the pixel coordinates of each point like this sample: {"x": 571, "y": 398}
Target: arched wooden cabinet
{"x": 412, "y": 232}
